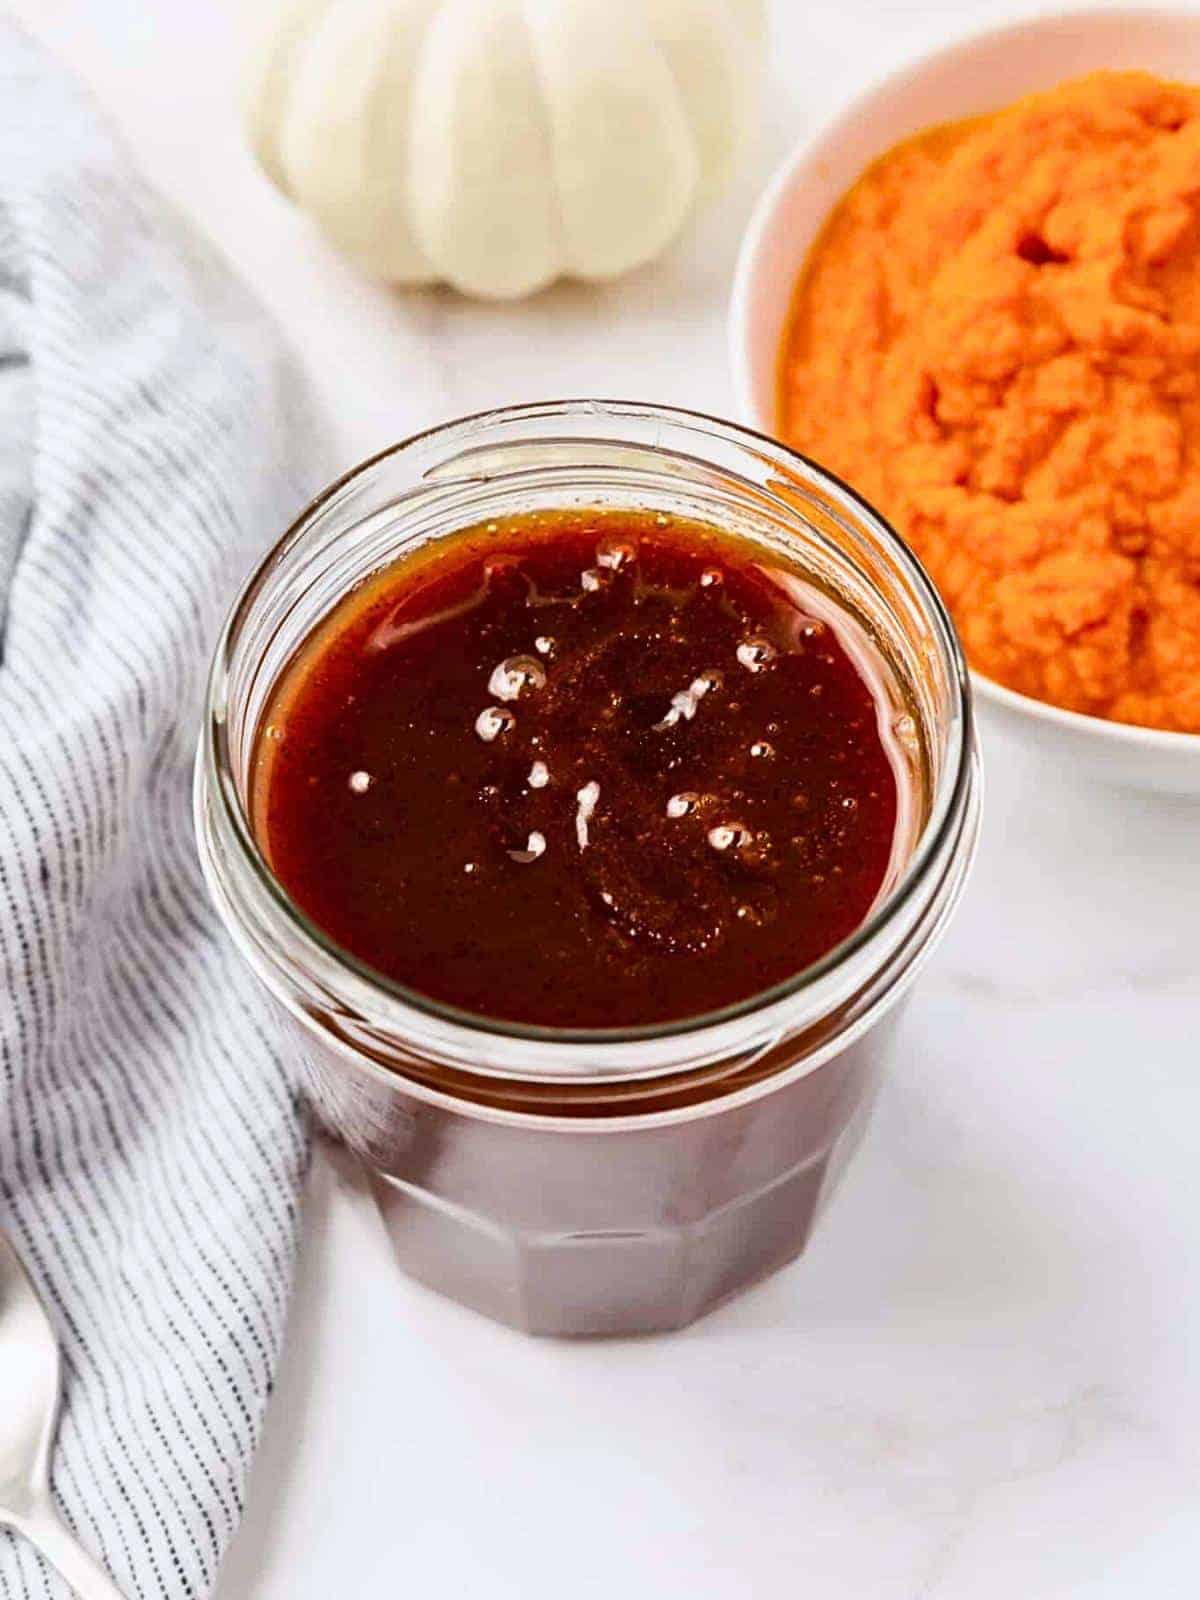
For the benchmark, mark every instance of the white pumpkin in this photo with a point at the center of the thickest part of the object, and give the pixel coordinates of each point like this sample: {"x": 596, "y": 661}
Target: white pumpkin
{"x": 497, "y": 144}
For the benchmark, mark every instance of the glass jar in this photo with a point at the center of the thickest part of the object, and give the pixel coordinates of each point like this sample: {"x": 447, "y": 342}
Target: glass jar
{"x": 604, "y": 1181}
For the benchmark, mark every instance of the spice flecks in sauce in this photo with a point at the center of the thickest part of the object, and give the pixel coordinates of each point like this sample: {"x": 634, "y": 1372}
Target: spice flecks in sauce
{"x": 574, "y": 814}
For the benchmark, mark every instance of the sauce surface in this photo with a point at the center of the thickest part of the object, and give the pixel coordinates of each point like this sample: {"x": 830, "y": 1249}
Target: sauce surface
{"x": 584, "y": 769}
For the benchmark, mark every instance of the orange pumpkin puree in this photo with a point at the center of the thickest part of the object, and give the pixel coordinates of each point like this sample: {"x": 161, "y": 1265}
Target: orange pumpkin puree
{"x": 996, "y": 339}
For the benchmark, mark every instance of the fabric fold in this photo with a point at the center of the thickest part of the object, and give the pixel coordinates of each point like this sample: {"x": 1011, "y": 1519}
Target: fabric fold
{"x": 152, "y": 1145}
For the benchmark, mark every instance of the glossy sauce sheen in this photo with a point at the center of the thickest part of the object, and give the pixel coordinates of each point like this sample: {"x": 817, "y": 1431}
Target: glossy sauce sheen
{"x": 585, "y": 770}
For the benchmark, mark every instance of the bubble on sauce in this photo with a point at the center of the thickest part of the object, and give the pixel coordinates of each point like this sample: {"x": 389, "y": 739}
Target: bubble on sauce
{"x": 615, "y": 554}
{"x": 755, "y": 654}
{"x": 712, "y": 578}
{"x": 813, "y": 629}
{"x": 682, "y": 805}
{"x": 470, "y": 867}
{"x": 729, "y": 836}
{"x": 273, "y": 732}
{"x": 759, "y": 911}
{"x": 662, "y": 520}
{"x": 590, "y": 580}
{"x": 762, "y": 749}
{"x": 685, "y": 703}
{"x": 515, "y": 675}
{"x": 360, "y": 782}
{"x": 586, "y": 799}
{"x": 492, "y": 722}
{"x": 539, "y": 775}
{"x": 544, "y": 644}
{"x": 535, "y": 848}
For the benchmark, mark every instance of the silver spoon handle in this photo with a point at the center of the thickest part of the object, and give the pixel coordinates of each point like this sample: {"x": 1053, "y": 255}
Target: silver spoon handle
{"x": 67, "y": 1556}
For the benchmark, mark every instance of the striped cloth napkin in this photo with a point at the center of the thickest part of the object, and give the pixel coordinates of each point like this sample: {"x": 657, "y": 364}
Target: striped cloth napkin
{"x": 151, "y": 1143}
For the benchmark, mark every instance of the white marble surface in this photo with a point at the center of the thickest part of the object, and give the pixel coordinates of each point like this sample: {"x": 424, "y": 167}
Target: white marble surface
{"x": 983, "y": 1382}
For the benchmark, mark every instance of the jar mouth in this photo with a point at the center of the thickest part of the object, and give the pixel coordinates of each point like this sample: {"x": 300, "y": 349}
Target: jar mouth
{"x": 215, "y": 762}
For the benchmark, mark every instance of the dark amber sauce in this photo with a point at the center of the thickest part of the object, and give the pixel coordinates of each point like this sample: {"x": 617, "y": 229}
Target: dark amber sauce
{"x": 582, "y": 769}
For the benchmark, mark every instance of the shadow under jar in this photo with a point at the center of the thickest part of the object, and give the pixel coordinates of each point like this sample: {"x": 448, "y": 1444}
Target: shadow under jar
{"x": 600, "y": 1180}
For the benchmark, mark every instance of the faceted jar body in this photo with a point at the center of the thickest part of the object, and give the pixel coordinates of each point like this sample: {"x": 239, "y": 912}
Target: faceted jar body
{"x": 594, "y": 1225}
{"x": 602, "y": 1182}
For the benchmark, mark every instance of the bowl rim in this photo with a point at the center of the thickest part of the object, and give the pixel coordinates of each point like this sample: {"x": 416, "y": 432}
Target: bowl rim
{"x": 923, "y": 55}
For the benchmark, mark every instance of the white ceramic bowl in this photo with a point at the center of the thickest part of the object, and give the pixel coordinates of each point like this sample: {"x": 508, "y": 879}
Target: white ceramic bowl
{"x": 979, "y": 73}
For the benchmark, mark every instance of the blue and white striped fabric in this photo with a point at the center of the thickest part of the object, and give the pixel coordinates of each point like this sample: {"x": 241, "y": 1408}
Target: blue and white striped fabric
{"x": 151, "y": 1144}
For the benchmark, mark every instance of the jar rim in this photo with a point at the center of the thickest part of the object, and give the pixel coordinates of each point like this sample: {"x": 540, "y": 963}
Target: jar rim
{"x": 949, "y": 794}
